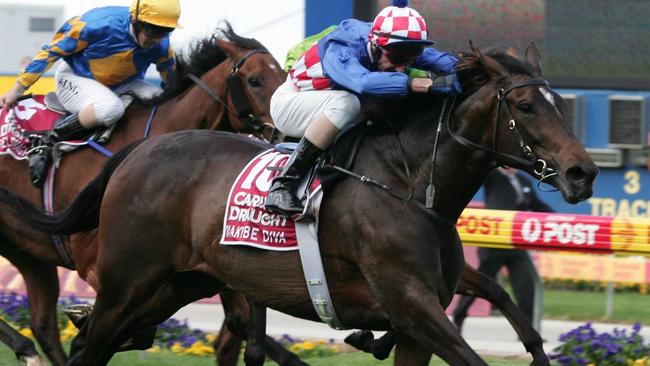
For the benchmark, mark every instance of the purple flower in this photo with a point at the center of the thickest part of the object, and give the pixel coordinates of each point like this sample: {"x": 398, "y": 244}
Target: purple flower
{"x": 577, "y": 349}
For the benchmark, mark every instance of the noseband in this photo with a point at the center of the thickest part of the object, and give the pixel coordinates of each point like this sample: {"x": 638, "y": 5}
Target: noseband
{"x": 538, "y": 166}
{"x": 244, "y": 111}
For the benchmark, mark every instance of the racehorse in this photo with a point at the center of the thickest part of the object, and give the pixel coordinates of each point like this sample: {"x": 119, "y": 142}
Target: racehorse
{"x": 236, "y": 78}
{"x": 392, "y": 259}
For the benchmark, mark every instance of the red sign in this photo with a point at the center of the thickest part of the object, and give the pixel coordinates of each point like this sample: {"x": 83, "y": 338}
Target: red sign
{"x": 246, "y": 221}
{"x": 562, "y": 231}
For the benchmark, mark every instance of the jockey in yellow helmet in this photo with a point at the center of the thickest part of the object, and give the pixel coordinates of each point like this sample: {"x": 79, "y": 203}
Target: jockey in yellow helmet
{"x": 106, "y": 52}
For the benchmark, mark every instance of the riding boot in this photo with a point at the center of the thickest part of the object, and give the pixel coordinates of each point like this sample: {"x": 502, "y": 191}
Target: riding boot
{"x": 282, "y": 197}
{"x": 66, "y": 128}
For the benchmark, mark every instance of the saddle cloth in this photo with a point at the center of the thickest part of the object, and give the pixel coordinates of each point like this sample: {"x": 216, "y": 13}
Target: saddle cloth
{"x": 28, "y": 115}
{"x": 246, "y": 221}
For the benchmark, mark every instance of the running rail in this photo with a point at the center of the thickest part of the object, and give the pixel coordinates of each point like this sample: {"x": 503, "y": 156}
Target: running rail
{"x": 555, "y": 231}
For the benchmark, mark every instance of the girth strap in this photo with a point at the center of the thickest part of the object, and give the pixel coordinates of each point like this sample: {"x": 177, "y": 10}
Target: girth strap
{"x": 48, "y": 206}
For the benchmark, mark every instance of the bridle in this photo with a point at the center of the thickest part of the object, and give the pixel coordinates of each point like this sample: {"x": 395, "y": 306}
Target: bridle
{"x": 538, "y": 166}
{"x": 243, "y": 109}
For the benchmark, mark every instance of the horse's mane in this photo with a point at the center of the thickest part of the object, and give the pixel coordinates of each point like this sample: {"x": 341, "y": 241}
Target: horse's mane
{"x": 472, "y": 74}
{"x": 202, "y": 55}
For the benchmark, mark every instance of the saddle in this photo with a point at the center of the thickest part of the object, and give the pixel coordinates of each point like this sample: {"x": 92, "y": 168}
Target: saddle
{"x": 22, "y": 126}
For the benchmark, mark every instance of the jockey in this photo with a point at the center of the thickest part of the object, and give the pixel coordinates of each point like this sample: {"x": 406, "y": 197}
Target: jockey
{"x": 106, "y": 52}
{"x": 321, "y": 94}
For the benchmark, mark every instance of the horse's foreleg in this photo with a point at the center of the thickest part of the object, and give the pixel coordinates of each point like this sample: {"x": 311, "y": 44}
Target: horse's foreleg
{"x": 476, "y": 283}
{"x": 409, "y": 353}
{"x": 22, "y": 346}
{"x": 42, "y": 282}
{"x": 255, "y": 350}
{"x": 229, "y": 340}
{"x": 425, "y": 320}
{"x": 119, "y": 311}
{"x": 415, "y": 310}
{"x": 227, "y": 346}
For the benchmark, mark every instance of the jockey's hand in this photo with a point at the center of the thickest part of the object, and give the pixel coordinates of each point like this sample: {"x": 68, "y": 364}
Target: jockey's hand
{"x": 8, "y": 99}
{"x": 420, "y": 85}
{"x": 445, "y": 84}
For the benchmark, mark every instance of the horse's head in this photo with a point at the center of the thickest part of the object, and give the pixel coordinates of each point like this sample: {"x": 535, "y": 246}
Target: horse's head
{"x": 254, "y": 75}
{"x": 226, "y": 83}
{"x": 528, "y": 127}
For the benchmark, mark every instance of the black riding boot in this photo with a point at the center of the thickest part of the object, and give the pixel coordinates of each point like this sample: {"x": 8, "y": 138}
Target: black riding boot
{"x": 282, "y": 197}
{"x": 66, "y": 128}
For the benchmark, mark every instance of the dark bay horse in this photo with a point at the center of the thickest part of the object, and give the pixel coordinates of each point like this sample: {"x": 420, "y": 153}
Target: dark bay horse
{"x": 242, "y": 76}
{"x": 391, "y": 262}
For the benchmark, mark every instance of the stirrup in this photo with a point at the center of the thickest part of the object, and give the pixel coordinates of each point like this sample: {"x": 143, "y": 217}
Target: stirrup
{"x": 285, "y": 203}
{"x": 39, "y": 159}
{"x": 39, "y": 150}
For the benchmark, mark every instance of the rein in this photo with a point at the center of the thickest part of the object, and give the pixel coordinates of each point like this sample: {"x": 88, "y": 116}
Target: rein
{"x": 430, "y": 191}
{"x": 244, "y": 111}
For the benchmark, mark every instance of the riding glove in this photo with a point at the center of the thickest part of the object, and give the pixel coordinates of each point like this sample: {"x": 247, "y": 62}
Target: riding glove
{"x": 446, "y": 84}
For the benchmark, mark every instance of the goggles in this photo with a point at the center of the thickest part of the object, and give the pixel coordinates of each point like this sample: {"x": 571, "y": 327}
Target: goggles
{"x": 155, "y": 31}
{"x": 403, "y": 55}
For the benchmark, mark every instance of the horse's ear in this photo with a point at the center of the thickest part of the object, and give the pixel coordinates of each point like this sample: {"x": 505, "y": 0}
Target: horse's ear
{"x": 534, "y": 59}
{"x": 229, "y": 48}
{"x": 492, "y": 66}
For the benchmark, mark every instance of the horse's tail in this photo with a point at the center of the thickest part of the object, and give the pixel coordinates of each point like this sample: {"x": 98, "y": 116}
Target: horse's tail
{"x": 82, "y": 215}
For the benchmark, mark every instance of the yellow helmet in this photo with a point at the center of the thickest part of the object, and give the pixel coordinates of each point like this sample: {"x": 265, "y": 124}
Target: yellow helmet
{"x": 163, "y": 13}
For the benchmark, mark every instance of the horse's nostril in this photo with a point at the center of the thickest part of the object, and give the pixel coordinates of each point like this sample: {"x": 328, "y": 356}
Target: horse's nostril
{"x": 576, "y": 174}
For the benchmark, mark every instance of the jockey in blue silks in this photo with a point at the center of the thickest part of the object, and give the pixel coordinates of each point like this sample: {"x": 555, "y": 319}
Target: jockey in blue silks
{"x": 321, "y": 94}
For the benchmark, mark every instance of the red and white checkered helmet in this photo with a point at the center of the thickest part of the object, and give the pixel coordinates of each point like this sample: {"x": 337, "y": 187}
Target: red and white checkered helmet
{"x": 398, "y": 24}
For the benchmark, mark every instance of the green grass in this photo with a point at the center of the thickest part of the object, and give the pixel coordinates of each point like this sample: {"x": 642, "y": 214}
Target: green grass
{"x": 361, "y": 359}
{"x": 590, "y": 306}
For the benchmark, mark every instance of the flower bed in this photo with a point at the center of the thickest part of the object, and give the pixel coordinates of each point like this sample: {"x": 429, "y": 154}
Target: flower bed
{"x": 584, "y": 346}
{"x": 173, "y": 335}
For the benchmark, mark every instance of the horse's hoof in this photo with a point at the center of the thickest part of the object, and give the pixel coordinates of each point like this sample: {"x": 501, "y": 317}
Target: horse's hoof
{"x": 32, "y": 360}
{"x": 361, "y": 340}
{"x": 382, "y": 354}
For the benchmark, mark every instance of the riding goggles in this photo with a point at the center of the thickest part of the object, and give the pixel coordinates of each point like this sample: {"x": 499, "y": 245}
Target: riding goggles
{"x": 155, "y": 31}
{"x": 403, "y": 55}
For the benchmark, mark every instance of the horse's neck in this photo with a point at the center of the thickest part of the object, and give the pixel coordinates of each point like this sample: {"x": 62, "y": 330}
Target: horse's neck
{"x": 458, "y": 173}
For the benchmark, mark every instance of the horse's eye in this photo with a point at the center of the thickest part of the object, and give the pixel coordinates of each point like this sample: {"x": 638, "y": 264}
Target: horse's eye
{"x": 525, "y": 107}
{"x": 255, "y": 82}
